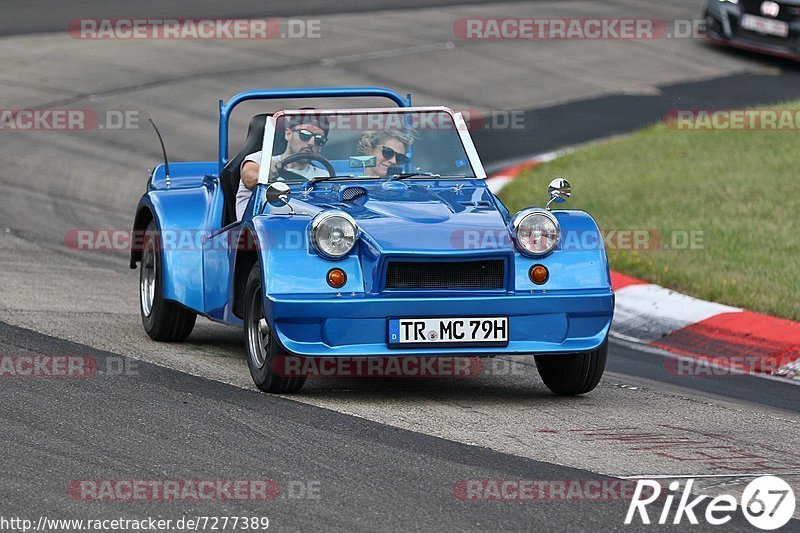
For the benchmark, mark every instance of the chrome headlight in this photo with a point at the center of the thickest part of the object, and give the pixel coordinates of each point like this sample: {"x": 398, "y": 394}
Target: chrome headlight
{"x": 334, "y": 234}
{"x": 536, "y": 232}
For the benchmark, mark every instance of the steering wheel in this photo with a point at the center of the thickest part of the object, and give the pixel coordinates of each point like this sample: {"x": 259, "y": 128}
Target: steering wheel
{"x": 289, "y": 175}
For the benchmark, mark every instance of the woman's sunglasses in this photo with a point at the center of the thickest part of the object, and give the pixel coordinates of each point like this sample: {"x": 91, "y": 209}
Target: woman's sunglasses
{"x": 306, "y": 136}
{"x": 388, "y": 153}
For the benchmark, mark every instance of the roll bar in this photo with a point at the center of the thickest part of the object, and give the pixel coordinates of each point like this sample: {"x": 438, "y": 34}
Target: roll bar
{"x": 225, "y": 108}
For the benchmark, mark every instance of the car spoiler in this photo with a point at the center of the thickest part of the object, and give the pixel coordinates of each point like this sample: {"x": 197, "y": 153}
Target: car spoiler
{"x": 225, "y": 108}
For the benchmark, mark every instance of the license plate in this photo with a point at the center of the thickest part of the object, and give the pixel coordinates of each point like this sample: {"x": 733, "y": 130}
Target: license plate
{"x": 483, "y": 331}
{"x": 765, "y": 25}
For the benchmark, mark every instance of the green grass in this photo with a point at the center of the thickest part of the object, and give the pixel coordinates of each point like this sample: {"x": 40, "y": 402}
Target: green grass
{"x": 741, "y": 189}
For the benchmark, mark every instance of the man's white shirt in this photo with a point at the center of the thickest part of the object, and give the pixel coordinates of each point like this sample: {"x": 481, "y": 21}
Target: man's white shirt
{"x": 243, "y": 194}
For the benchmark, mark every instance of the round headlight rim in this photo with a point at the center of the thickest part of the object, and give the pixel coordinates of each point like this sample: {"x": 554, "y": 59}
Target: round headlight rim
{"x": 321, "y": 217}
{"x": 525, "y": 213}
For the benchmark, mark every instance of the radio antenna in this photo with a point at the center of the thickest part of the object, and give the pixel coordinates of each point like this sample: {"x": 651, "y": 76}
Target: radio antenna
{"x": 163, "y": 151}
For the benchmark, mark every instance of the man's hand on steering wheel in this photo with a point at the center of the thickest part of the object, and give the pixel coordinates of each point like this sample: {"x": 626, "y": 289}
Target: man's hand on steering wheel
{"x": 288, "y": 174}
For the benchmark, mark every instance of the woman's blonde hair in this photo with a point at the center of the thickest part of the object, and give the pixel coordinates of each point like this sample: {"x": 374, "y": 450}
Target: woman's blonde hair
{"x": 372, "y": 139}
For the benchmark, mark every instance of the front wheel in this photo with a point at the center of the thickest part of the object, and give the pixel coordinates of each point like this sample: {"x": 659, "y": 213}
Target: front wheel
{"x": 568, "y": 375}
{"x": 163, "y": 320}
{"x": 263, "y": 350}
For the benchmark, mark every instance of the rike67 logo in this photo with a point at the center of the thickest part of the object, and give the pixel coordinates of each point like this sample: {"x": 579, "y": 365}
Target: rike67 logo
{"x": 768, "y": 503}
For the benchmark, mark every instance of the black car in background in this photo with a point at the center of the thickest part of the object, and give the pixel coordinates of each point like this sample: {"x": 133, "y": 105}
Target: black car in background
{"x": 760, "y": 25}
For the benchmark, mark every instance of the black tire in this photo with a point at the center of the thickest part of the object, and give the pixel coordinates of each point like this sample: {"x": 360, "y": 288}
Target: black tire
{"x": 572, "y": 374}
{"x": 263, "y": 349}
{"x": 163, "y": 320}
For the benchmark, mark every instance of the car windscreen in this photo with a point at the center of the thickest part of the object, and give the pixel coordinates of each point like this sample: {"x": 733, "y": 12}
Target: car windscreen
{"x": 371, "y": 144}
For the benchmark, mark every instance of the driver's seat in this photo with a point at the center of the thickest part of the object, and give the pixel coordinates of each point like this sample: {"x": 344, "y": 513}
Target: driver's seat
{"x": 232, "y": 173}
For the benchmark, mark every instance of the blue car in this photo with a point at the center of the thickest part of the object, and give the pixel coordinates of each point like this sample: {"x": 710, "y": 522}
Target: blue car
{"x": 370, "y": 233}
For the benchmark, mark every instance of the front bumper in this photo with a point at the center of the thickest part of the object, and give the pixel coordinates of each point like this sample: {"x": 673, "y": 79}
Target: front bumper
{"x": 723, "y": 28}
{"x": 357, "y": 324}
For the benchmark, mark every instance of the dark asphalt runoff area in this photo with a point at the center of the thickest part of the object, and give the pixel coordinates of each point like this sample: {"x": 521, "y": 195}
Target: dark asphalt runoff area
{"x": 774, "y": 394}
{"x": 552, "y": 128}
{"x": 153, "y": 423}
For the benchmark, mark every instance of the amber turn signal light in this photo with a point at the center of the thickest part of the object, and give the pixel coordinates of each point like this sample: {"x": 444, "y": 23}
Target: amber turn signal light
{"x": 539, "y": 274}
{"x": 336, "y": 278}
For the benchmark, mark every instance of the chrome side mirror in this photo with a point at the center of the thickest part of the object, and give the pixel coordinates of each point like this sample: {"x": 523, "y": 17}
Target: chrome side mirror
{"x": 278, "y": 194}
{"x": 559, "y": 190}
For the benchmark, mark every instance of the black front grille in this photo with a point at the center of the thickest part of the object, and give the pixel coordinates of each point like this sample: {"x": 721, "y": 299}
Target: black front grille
{"x": 488, "y": 274}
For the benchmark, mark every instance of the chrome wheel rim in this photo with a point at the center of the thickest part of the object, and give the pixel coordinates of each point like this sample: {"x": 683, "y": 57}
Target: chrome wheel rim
{"x": 147, "y": 278}
{"x": 258, "y": 334}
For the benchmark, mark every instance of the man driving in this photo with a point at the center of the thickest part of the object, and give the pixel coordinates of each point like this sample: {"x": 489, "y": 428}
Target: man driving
{"x": 303, "y": 134}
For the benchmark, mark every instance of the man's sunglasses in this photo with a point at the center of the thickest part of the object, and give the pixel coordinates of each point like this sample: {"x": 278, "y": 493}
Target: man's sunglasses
{"x": 388, "y": 153}
{"x": 306, "y": 136}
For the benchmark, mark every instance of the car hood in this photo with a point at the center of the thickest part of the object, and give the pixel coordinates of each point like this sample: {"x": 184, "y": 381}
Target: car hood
{"x": 417, "y": 217}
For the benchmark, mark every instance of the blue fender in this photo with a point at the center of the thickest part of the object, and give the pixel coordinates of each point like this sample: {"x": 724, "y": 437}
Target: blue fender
{"x": 578, "y": 262}
{"x": 288, "y": 263}
{"x": 180, "y": 212}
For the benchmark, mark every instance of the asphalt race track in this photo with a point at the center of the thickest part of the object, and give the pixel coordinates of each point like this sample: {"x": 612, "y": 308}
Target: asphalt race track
{"x": 159, "y": 425}
{"x": 378, "y": 454}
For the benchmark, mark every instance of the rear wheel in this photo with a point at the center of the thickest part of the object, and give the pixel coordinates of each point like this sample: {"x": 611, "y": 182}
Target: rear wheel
{"x": 263, "y": 351}
{"x": 162, "y": 319}
{"x": 568, "y": 375}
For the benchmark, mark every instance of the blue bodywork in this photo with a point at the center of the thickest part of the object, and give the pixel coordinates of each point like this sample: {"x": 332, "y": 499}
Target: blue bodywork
{"x": 422, "y": 219}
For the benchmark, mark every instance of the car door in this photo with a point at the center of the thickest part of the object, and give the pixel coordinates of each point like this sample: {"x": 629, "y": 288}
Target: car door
{"x": 217, "y": 251}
